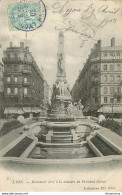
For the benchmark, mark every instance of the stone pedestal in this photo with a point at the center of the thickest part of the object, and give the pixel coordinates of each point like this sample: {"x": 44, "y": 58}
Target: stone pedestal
{"x": 74, "y": 136}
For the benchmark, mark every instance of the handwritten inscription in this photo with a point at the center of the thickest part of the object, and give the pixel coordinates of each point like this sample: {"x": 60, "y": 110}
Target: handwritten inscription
{"x": 83, "y": 26}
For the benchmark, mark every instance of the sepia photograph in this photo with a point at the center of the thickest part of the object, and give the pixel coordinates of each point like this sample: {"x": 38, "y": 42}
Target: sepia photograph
{"x": 61, "y": 95}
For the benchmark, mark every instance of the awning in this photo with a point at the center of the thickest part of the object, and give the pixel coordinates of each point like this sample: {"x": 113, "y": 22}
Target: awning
{"x": 108, "y": 109}
{"x": 12, "y": 110}
{"x": 33, "y": 109}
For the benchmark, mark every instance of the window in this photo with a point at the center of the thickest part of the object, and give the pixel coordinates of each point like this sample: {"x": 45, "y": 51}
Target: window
{"x": 25, "y": 79}
{"x": 8, "y": 90}
{"x": 111, "y": 66}
{"x": 96, "y": 100}
{"x": 25, "y": 91}
{"x": 105, "y": 78}
{"x": 8, "y": 79}
{"x": 16, "y": 90}
{"x": 118, "y": 67}
{"x": 111, "y": 90}
{"x": 118, "y": 100}
{"x": 105, "y": 90}
{"x": 105, "y": 54}
{"x": 105, "y": 99}
{"x": 118, "y": 78}
{"x": 96, "y": 90}
{"x": 15, "y": 79}
{"x": 15, "y": 55}
{"x": 112, "y": 54}
{"x": 118, "y": 90}
{"x": 8, "y": 55}
{"x": 25, "y": 67}
{"x": 15, "y": 68}
{"x": 8, "y": 68}
{"x": 111, "y": 78}
{"x": 105, "y": 67}
{"x": 111, "y": 100}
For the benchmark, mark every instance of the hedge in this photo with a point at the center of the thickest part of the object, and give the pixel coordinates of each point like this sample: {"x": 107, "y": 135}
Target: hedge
{"x": 113, "y": 125}
{"x": 8, "y": 126}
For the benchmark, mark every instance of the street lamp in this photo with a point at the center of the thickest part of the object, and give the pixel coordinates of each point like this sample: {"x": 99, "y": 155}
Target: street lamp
{"x": 113, "y": 102}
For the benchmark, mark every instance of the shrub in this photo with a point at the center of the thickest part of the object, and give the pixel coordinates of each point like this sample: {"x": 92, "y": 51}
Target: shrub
{"x": 8, "y": 126}
{"x": 113, "y": 125}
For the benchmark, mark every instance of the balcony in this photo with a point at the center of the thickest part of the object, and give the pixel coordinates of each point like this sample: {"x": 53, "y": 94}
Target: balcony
{"x": 26, "y": 71}
{"x": 11, "y": 60}
{"x": 12, "y": 94}
{"x": 26, "y": 83}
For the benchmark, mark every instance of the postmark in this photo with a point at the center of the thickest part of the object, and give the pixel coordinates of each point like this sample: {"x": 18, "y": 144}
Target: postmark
{"x": 26, "y": 16}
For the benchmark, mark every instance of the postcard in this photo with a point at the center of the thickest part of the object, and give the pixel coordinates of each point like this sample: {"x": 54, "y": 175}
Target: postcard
{"x": 61, "y": 95}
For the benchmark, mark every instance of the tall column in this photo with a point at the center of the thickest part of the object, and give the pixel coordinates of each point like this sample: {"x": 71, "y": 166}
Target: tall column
{"x": 61, "y": 75}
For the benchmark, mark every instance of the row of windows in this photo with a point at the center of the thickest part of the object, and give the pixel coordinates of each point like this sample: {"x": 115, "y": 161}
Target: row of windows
{"x": 16, "y": 91}
{"x": 111, "y": 78}
{"x": 111, "y": 53}
{"x": 112, "y": 90}
{"x": 112, "y": 67}
{"x": 16, "y": 68}
{"x": 16, "y": 79}
{"x": 107, "y": 100}
{"x": 15, "y": 55}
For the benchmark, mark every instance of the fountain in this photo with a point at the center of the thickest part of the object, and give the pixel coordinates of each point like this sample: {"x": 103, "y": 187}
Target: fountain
{"x": 61, "y": 136}
{"x": 60, "y": 126}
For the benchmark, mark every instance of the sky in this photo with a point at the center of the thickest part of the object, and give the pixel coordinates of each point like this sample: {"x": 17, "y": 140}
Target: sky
{"x": 97, "y": 19}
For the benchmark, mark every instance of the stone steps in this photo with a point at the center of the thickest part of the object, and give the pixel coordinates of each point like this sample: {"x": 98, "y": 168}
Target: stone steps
{"x": 61, "y": 133}
{"x": 62, "y": 141}
{"x": 61, "y": 136}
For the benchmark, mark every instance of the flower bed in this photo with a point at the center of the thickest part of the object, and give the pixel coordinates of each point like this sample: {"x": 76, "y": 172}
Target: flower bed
{"x": 8, "y": 126}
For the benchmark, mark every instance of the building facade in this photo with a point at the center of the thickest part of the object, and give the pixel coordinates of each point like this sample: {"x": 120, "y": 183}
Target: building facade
{"x": 23, "y": 81}
{"x": 100, "y": 81}
{"x": 1, "y": 90}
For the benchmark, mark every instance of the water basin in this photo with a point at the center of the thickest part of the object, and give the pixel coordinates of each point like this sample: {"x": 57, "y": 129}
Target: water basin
{"x": 62, "y": 152}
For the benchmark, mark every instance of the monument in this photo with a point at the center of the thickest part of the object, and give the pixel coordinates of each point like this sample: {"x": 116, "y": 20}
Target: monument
{"x": 60, "y": 127}
{"x": 61, "y": 97}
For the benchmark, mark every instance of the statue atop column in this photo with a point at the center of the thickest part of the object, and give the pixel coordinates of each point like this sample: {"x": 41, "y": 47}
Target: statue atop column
{"x": 61, "y": 58}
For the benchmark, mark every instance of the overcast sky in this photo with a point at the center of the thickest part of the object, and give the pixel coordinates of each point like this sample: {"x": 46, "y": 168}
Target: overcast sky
{"x": 43, "y": 42}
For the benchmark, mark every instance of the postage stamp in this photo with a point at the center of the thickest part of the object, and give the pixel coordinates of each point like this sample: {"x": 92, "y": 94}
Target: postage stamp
{"x": 26, "y": 16}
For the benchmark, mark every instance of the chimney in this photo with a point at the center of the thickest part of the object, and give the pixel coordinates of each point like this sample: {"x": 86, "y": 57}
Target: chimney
{"x": 113, "y": 42}
{"x": 22, "y": 44}
{"x": 99, "y": 44}
{"x": 10, "y": 44}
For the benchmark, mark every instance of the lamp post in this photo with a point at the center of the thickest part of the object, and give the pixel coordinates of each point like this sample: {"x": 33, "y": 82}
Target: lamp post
{"x": 113, "y": 102}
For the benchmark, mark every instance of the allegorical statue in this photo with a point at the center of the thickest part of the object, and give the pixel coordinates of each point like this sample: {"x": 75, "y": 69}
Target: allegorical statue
{"x": 60, "y": 60}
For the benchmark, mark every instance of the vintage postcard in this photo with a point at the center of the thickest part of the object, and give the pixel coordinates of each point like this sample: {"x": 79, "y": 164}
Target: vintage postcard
{"x": 61, "y": 95}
